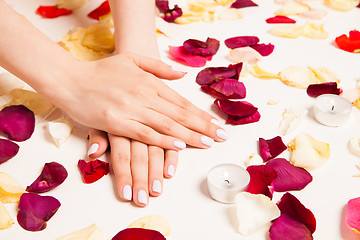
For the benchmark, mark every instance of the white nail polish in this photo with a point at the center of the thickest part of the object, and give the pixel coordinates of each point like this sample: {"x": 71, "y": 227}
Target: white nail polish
{"x": 178, "y": 69}
{"x": 156, "y": 187}
{"x": 222, "y": 134}
{"x": 216, "y": 122}
{"x": 179, "y": 144}
{"x": 207, "y": 141}
{"x": 171, "y": 170}
{"x": 93, "y": 148}
{"x": 142, "y": 197}
{"x": 127, "y": 192}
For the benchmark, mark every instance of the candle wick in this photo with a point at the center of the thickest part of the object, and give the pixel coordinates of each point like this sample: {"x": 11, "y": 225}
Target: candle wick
{"x": 332, "y": 108}
{"x": 227, "y": 181}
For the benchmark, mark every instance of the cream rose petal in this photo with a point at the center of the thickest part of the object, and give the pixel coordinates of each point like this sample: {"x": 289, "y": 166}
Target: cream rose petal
{"x": 312, "y": 30}
{"x": 291, "y": 119}
{"x": 244, "y": 54}
{"x": 70, "y": 4}
{"x": 315, "y": 14}
{"x": 60, "y": 130}
{"x": 153, "y": 222}
{"x": 324, "y": 74}
{"x": 10, "y": 189}
{"x": 254, "y": 211}
{"x": 92, "y": 232}
{"x": 342, "y": 5}
{"x": 229, "y": 14}
{"x": 288, "y": 31}
{"x": 5, "y": 219}
{"x": 107, "y": 20}
{"x": 298, "y": 76}
{"x": 354, "y": 145}
{"x": 9, "y": 82}
{"x": 258, "y": 72}
{"x": 292, "y": 8}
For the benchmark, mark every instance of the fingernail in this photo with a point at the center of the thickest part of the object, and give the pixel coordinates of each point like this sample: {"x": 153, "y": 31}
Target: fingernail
{"x": 142, "y": 197}
{"x": 179, "y": 144}
{"x": 127, "y": 192}
{"x": 207, "y": 141}
{"x": 216, "y": 122}
{"x": 178, "y": 69}
{"x": 156, "y": 187}
{"x": 171, "y": 170}
{"x": 221, "y": 133}
{"x": 93, "y": 148}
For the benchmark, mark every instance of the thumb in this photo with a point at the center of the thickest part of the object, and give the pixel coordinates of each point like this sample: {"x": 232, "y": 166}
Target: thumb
{"x": 157, "y": 67}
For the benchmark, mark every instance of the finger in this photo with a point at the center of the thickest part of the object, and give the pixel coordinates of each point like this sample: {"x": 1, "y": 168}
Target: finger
{"x": 156, "y": 166}
{"x": 170, "y": 164}
{"x": 98, "y": 142}
{"x": 139, "y": 172}
{"x": 120, "y": 161}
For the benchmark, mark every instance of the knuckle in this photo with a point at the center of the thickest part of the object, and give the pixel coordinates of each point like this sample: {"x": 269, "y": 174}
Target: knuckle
{"x": 121, "y": 157}
{"x": 144, "y": 134}
{"x": 167, "y": 125}
{"x": 183, "y": 116}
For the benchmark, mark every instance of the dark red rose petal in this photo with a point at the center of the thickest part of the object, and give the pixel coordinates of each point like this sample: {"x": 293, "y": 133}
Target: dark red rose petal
{"x": 93, "y": 170}
{"x": 178, "y": 54}
{"x": 102, "y": 10}
{"x": 315, "y": 90}
{"x": 289, "y": 177}
{"x": 230, "y": 88}
{"x": 162, "y": 5}
{"x": 242, "y": 41}
{"x": 286, "y": 228}
{"x": 52, "y": 11}
{"x": 138, "y": 234}
{"x": 280, "y": 19}
{"x": 261, "y": 177}
{"x": 171, "y": 14}
{"x": 52, "y": 175}
{"x": 8, "y": 149}
{"x": 18, "y": 122}
{"x": 217, "y": 74}
{"x": 243, "y": 4}
{"x": 292, "y": 207}
{"x": 35, "y": 211}
{"x": 271, "y": 148}
{"x": 239, "y": 108}
{"x": 204, "y": 49}
{"x": 235, "y": 120}
{"x": 264, "y": 49}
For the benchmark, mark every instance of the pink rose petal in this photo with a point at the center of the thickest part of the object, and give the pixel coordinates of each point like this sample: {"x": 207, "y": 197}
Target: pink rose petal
{"x": 264, "y": 49}
{"x": 18, "y": 122}
{"x": 235, "y": 120}
{"x": 289, "y": 177}
{"x": 243, "y": 4}
{"x": 8, "y": 149}
{"x": 178, "y": 54}
{"x": 352, "y": 218}
{"x": 162, "y": 5}
{"x": 280, "y": 19}
{"x": 52, "y": 175}
{"x": 261, "y": 177}
{"x": 200, "y": 48}
{"x": 271, "y": 148}
{"x": 315, "y": 90}
{"x": 35, "y": 211}
{"x": 217, "y": 74}
{"x": 138, "y": 234}
{"x": 285, "y": 227}
{"x": 242, "y": 41}
{"x": 93, "y": 170}
{"x": 230, "y": 88}
{"x": 239, "y": 108}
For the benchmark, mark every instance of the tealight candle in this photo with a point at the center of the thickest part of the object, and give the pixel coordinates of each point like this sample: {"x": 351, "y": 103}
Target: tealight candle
{"x": 332, "y": 110}
{"x": 226, "y": 180}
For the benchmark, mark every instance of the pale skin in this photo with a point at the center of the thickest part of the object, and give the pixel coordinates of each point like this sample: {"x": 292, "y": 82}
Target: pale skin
{"x": 122, "y": 95}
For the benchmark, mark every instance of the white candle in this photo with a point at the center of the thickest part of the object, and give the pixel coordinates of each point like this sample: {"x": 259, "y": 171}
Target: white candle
{"x": 226, "y": 180}
{"x": 332, "y": 110}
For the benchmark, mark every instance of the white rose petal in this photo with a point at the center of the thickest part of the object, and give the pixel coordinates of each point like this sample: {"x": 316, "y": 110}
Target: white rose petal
{"x": 60, "y": 130}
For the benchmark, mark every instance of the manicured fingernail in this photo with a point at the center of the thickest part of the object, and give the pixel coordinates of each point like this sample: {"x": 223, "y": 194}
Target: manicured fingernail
{"x": 216, "y": 122}
{"x": 93, "y": 148}
{"x": 179, "y": 144}
{"x": 207, "y": 141}
{"x": 156, "y": 187}
{"x": 178, "y": 69}
{"x": 171, "y": 170}
{"x": 142, "y": 197}
{"x": 221, "y": 133}
{"x": 127, "y": 192}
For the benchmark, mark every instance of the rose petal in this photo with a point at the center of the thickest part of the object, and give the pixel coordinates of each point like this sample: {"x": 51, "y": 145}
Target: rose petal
{"x": 243, "y": 4}
{"x": 178, "y": 54}
{"x": 230, "y": 88}
{"x": 18, "y": 122}
{"x": 217, "y": 74}
{"x": 172, "y": 14}
{"x": 103, "y": 9}
{"x": 261, "y": 177}
{"x": 288, "y": 31}
{"x": 315, "y": 14}
{"x": 154, "y": 222}
{"x": 352, "y": 218}
{"x": 292, "y": 8}
{"x": 5, "y": 219}
{"x": 315, "y": 90}
{"x": 93, "y": 170}
{"x": 70, "y": 4}
{"x": 351, "y": 43}
{"x": 197, "y": 47}
{"x": 288, "y": 177}
{"x": 35, "y": 211}
{"x": 10, "y": 189}
{"x": 292, "y": 229}
{"x": 280, "y": 19}
{"x": 271, "y": 148}
{"x": 244, "y": 54}
{"x": 342, "y": 5}
{"x": 52, "y": 11}
{"x": 241, "y": 41}
{"x": 138, "y": 233}
{"x": 52, "y": 175}
{"x": 291, "y": 119}
{"x": 324, "y": 74}
{"x": 264, "y": 49}
{"x": 92, "y": 232}
{"x": 261, "y": 73}
{"x": 8, "y": 150}
{"x": 298, "y": 76}
{"x": 312, "y": 30}
{"x": 235, "y": 120}
{"x": 60, "y": 130}
{"x": 239, "y": 108}
{"x": 162, "y": 5}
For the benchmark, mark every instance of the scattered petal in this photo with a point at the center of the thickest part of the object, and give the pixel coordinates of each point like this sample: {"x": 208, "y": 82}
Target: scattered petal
{"x": 244, "y": 54}
{"x": 315, "y": 90}
{"x": 230, "y": 88}
{"x": 52, "y": 11}
{"x": 217, "y": 74}
{"x": 286, "y": 226}
{"x": 261, "y": 73}
{"x": 60, "y": 130}
{"x": 324, "y": 74}
{"x": 8, "y": 150}
{"x": 52, "y": 175}
{"x": 352, "y": 218}
{"x": 342, "y": 5}
{"x": 271, "y": 148}
{"x": 254, "y": 159}
{"x": 288, "y": 31}
{"x": 239, "y": 108}
{"x": 349, "y": 43}
{"x": 172, "y": 14}
{"x": 179, "y": 54}
{"x": 236, "y": 120}
{"x": 273, "y": 102}
{"x": 107, "y": 20}
{"x": 9, "y": 82}
{"x": 200, "y": 48}
{"x": 243, "y": 4}
{"x": 291, "y": 119}
{"x": 307, "y": 152}
{"x": 10, "y": 189}
{"x": 5, "y": 219}
{"x": 264, "y": 49}
{"x": 93, "y": 170}
{"x": 280, "y": 19}
{"x": 162, "y": 5}
{"x": 242, "y": 41}
{"x": 18, "y": 122}
{"x": 230, "y": 14}
{"x": 315, "y": 14}
{"x": 312, "y": 30}
{"x": 138, "y": 233}
{"x": 292, "y": 8}
{"x": 261, "y": 178}
{"x": 298, "y": 76}
{"x": 254, "y": 211}
{"x": 354, "y": 145}
{"x": 153, "y": 222}
{"x": 70, "y": 4}
{"x": 35, "y": 211}
{"x": 92, "y": 232}
{"x": 103, "y": 9}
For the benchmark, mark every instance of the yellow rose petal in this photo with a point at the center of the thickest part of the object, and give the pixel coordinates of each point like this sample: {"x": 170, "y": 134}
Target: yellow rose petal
{"x": 5, "y": 219}
{"x": 224, "y": 2}
{"x": 292, "y": 8}
{"x": 297, "y": 76}
{"x": 99, "y": 38}
{"x": 70, "y": 4}
{"x": 230, "y": 14}
{"x": 261, "y": 73}
{"x": 324, "y": 74}
{"x": 92, "y": 232}
{"x": 357, "y": 103}
{"x": 107, "y": 20}
{"x": 10, "y": 189}
{"x": 290, "y": 31}
{"x": 342, "y": 5}
{"x": 312, "y": 30}
{"x": 153, "y": 222}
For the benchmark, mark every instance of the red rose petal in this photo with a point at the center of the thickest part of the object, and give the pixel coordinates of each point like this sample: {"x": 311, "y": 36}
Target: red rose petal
{"x": 93, "y": 170}
{"x": 243, "y": 3}
{"x": 35, "y": 211}
{"x": 261, "y": 177}
{"x": 230, "y": 88}
{"x": 242, "y": 41}
{"x": 288, "y": 177}
{"x": 315, "y": 90}
{"x": 350, "y": 43}
{"x": 102, "y": 10}
{"x": 271, "y": 148}
{"x": 285, "y": 227}
{"x": 52, "y": 175}
{"x": 204, "y": 49}
{"x": 178, "y": 54}
{"x": 18, "y": 122}
{"x": 280, "y": 19}
{"x": 235, "y": 120}
{"x": 264, "y": 49}
{"x": 162, "y": 5}
{"x": 8, "y": 149}
{"x": 239, "y": 108}
{"x": 217, "y": 74}
{"x": 171, "y": 14}
{"x": 138, "y": 234}
{"x": 352, "y": 218}
{"x": 52, "y": 11}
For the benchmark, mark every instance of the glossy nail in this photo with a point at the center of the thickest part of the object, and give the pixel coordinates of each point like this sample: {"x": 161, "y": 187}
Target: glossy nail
{"x": 93, "y": 148}
{"x": 171, "y": 170}
{"x": 207, "y": 141}
{"x": 179, "y": 144}
{"x": 127, "y": 192}
{"x": 221, "y": 133}
{"x": 156, "y": 187}
{"x": 177, "y": 69}
{"x": 142, "y": 197}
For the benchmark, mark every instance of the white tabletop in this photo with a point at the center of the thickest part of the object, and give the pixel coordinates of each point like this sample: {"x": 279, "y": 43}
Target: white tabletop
{"x": 185, "y": 201}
